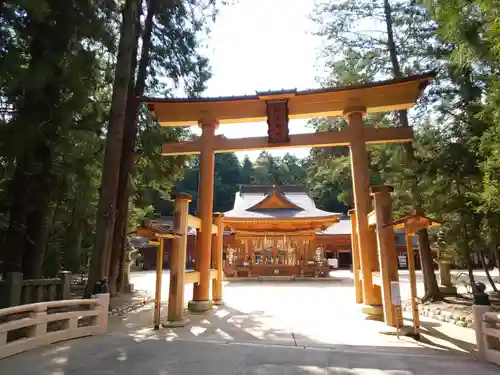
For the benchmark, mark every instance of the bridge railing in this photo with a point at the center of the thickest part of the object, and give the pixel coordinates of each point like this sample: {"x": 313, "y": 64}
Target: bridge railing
{"x": 29, "y": 326}
{"x": 487, "y": 327}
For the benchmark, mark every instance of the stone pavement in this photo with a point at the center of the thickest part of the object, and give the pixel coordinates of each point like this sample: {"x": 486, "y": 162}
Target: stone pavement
{"x": 148, "y": 353}
{"x": 264, "y": 328}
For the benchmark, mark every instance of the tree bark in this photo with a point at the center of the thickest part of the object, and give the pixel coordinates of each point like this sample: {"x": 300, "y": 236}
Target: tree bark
{"x": 120, "y": 283}
{"x": 430, "y": 281}
{"x": 494, "y": 246}
{"x": 129, "y": 140}
{"x": 465, "y": 234}
{"x": 37, "y": 228}
{"x": 496, "y": 255}
{"x": 38, "y": 111}
{"x": 487, "y": 271}
{"x": 14, "y": 244}
{"x": 117, "y": 244}
{"x": 106, "y": 210}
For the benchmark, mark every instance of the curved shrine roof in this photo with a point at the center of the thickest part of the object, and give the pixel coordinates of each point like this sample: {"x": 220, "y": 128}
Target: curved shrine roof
{"x": 276, "y": 203}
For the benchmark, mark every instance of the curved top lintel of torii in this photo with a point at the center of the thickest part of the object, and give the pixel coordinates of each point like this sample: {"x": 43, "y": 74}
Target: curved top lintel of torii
{"x": 382, "y": 96}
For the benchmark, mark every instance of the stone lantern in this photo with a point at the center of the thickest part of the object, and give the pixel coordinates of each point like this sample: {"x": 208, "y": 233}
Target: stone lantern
{"x": 444, "y": 260}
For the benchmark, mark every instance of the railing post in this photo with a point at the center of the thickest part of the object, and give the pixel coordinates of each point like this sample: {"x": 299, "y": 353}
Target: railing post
{"x": 175, "y": 317}
{"x": 102, "y": 318}
{"x": 13, "y": 287}
{"x": 3, "y": 340}
{"x": 65, "y": 277}
{"x": 52, "y": 292}
{"x": 39, "y": 293}
{"x": 478, "y": 311}
{"x": 40, "y": 312}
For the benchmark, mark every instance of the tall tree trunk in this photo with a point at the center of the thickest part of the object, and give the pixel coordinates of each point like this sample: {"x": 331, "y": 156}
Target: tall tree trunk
{"x": 37, "y": 223}
{"x": 494, "y": 244}
{"x": 465, "y": 233}
{"x": 18, "y": 191}
{"x": 106, "y": 210}
{"x": 129, "y": 140}
{"x": 73, "y": 243}
{"x": 117, "y": 242}
{"x": 430, "y": 281}
{"x": 496, "y": 256}
{"x": 120, "y": 283}
{"x": 38, "y": 111}
{"x": 487, "y": 271}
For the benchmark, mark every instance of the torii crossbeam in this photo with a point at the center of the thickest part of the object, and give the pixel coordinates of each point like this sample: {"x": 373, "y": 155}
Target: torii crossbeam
{"x": 277, "y": 108}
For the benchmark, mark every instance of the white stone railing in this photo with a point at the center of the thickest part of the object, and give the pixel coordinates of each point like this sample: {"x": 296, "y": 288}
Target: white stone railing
{"x": 27, "y": 324}
{"x": 487, "y": 327}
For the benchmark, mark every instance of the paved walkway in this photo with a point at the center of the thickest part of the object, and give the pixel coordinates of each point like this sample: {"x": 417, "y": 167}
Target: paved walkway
{"x": 137, "y": 354}
{"x": 264, "y": 328}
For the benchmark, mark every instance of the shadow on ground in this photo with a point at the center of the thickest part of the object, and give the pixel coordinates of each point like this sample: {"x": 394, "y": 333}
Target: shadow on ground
{"x": 228, "y": 340}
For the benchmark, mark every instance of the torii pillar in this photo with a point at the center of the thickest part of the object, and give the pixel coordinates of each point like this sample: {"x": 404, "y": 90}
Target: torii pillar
{"x": 388, "y": 260}
{"x": 201, "y": 293}
{"x": 372, "y": 297}
{"x": 356, "y": 259}
{"x": 217, "y": 260}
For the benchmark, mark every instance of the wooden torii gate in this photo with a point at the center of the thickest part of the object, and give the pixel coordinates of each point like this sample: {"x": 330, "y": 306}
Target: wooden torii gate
{"x": 277, "y": 107}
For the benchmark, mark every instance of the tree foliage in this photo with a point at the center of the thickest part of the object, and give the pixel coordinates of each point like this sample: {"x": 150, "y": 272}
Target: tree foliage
{"x": 59, "y": 61}
{"x": 454, "y": 161}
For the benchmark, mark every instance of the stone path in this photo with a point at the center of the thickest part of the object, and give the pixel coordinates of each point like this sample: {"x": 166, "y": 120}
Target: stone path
{"x": 264, "y": 328}
{"x": 147, "y": 353}
{"x": 129, "y": 302}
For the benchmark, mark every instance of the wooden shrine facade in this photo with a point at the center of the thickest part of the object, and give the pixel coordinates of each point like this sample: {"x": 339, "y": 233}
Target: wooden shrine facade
{"x": 274, "y": 231}
{"x": 334, "y": 242}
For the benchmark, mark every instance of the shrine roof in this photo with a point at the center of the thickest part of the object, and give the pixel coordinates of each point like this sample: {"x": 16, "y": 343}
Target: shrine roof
{"x": 271, "y": 202}
{"x": 343, "y": 227}
{"x": 389, "y": 95}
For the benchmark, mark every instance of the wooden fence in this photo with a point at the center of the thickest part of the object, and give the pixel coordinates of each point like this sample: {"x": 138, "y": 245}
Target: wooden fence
{"x": 15, "y": 291}
{"x": 487, "y": 326}
{"x": 29, "y": 326}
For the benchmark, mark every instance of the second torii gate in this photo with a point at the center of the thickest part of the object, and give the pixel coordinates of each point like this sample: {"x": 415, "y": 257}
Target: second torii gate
{"x": 277, "y": 107}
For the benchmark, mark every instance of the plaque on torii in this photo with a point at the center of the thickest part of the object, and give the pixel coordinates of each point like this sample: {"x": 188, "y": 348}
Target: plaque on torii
{"x": 277, "y": 121}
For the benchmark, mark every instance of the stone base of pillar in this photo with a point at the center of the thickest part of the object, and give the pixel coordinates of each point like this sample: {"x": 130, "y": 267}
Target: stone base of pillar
{"x": 448, "y": 290}
{"x": 373, "y": 312}
{"x": 218, "y": 302}
{"x": 176, "y": 324}
{"x": 199, "y": 306}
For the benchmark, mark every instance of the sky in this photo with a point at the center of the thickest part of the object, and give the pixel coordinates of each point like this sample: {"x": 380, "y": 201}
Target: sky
{"x": 259, "y": 45}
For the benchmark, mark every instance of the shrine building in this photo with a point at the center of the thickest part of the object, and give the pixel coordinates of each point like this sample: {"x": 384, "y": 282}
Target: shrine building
{"x": 276, "y": 231}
